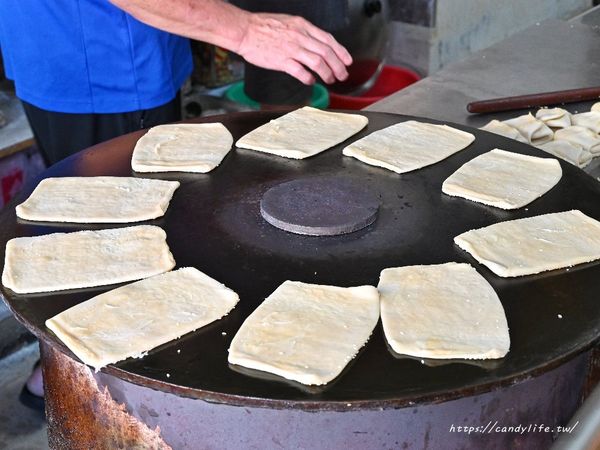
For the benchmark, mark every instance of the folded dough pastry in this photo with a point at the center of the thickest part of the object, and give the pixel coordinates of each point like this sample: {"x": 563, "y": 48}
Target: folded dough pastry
{"x": 590, "y": 120}
{"x": 58, "y": 261}
{"x": 141, "y": 316}
{"x": 569, "y": 151}
{"x": 306, "y": 332}
{"x": 184, "y": 147}
{"x": 503, "y": 179}
{"x": 302, "y": 133}
{"x": 409, "y": 145}
{"x": 582, "y": 136}
{"x": 535, "y": 131}
{"x": 534, "y": 244}
{"x": 554, "y": 117}
{"x": 442, "y": 311}
{"x": 97, "y": 199}
{"x": 497, "y": 127}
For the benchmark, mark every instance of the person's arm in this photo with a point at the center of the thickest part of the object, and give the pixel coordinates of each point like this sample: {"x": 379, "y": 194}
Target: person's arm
{"x": 289, "y": 44}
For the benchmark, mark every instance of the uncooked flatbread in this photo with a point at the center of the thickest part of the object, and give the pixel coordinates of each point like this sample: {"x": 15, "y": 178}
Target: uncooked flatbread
{"x": 182, "y": 147}
{"x": 442, "y": 311}
{"x": 589, "y": 120}
{"x": 503, "y": 179}
{"x": 306, "y": 332}
{"x": 303, "y": 133}
{"x": 596, "y": 107}
{"x": 535, "y": 131}
{"x": 133, "y": 319}
{"x": 582, "y": 136}
{"x": 97, "y": 199}
{"x": 569, "y": 151}
{"x": 409, "y": 145}
{"x": 535, "y": 244}
{"x": 497, "y": 127}
{"x": 85, "y": 258}
{"x": 554, "y": 117}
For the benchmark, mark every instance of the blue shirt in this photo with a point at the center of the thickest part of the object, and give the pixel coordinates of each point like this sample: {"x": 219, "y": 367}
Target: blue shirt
{"x": 88, "y": 56}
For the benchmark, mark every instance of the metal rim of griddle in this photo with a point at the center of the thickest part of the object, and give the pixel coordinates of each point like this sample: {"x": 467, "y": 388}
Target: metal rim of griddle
{"x": 521, "y": 297}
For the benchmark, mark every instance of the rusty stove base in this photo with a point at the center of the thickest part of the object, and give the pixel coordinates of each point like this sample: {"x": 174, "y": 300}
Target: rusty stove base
{"x": 88, "y": 410}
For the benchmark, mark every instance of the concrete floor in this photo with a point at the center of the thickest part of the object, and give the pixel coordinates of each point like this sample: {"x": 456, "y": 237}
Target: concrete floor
{"x": 20, "y": 427}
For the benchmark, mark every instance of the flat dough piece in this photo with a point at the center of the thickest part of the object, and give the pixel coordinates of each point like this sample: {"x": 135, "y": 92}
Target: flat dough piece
{"x": 582, "y": 136}
{"x": 554, "y": 117}
{"x": 141, "y": 316}
{"x": 569, "y": 151}
{"x": 306, "y": 332}
{"x": 497, "y": 127}
{"x": 303, "y": 133}
{"x": 596, "y": 107}
{"x": 442, "y": 311}
{"x": 589, "y": 120}
{"x": 182, "y": 148}
{"x": 535, "y": 244}
{"x": 535, "y": 131}
{"x": 409, "y": 145}
{"x": 503, "y": 179}
{"x": 97, "y": 199}
{"x": 85, "y": 258}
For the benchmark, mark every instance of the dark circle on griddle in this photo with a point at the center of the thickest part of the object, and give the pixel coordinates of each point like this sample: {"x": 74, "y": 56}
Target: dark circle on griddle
{"x": 319, "y": 206}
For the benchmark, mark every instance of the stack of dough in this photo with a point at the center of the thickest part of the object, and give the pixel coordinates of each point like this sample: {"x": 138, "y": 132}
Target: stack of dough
{"x": 503, "y": 179}
{"x": 534, "y": 131}
{"x": 572, "y": 137}
{"x": 442, "y": 311}
{"x": 302, "y": 133}
{"x": 589, "y": 120}
{"x": 497, "y": 127}
{"x": 581, "y": 136}
{"x": 59, "y": 261}
{"x": 554, "y": 117}
{"x": 409, "y": 145}
{"x": 569, "y": 151}
{"x": 97, "y": 199}
{"x": 141, "y": 316}
{"x": 306, "y": 332}
{"x": 534, "y": 244}
{"x": 182, "y": 148}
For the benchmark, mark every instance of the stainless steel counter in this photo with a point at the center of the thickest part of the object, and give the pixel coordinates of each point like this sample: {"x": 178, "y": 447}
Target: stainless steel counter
{"x": 551, "y": 56}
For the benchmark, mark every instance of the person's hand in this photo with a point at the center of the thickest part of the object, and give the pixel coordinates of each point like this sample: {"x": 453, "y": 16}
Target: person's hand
{"x": 293, "y": 45}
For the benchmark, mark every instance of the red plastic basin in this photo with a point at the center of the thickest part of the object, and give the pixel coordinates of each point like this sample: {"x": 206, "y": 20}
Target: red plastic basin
{"x": 390, "y": 80}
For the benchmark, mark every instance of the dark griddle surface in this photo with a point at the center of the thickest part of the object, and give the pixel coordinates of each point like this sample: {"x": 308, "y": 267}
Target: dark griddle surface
{"x": 214, "y": 224}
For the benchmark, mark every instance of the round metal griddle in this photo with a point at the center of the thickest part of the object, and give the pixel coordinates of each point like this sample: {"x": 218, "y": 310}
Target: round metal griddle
{"x": 214, "y": 224}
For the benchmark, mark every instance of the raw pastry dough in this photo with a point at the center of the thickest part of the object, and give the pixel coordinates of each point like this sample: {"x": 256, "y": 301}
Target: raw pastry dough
{"x": 554, "y": 117}
{"x": 133, "y": 319}
{"x": 85, "y": 258}
{"x": 590, "y": 120}
{"x": 569, "y": 151}
{"x": 306, "y": 332}
{"x": 97, "y": 199}
{"x": 442, "y": 311}
{"x": 535, "y": 244}
{"x": 596, "y": 107}
{"x": 303, "y": 133}
{"x": 582, "y": 136}
{"x": 409, "y": 145}
{"x": 497, "y": 127}
{"x": 535, "y": 131}
{"x": 182, "y": 148}
{"x": 503, "y": 179}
